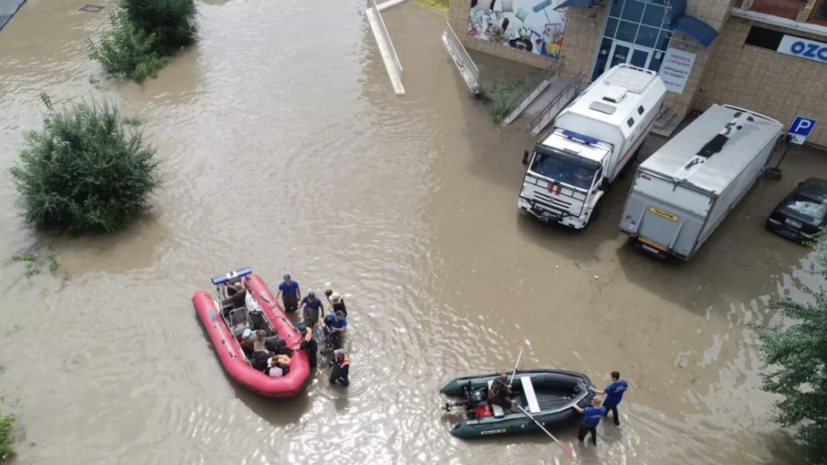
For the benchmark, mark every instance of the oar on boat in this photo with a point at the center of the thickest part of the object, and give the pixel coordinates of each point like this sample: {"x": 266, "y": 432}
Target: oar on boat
{"x": 565, "y": 448}
{"x": 518, "y": 360}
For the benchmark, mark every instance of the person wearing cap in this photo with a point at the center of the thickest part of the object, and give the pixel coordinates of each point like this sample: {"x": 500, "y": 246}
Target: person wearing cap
{"x": 341, "y": 368}
{"x": 312, "y": 309}
{"x": 308, "y": 343}
{"x": 337, "y": 326}
{"x": 290, "y": 293}
{"x": 336, "y": 301}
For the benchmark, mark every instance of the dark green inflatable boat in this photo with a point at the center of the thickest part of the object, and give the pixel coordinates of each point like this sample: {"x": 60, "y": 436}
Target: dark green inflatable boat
{"x": 548, "y": 395}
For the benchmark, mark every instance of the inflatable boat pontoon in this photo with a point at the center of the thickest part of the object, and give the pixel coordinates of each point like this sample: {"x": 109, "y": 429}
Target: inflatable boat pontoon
{"x": 548, "y": 395}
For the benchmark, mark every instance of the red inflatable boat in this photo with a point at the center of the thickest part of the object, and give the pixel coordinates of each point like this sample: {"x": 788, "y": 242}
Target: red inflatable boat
{"x": 226, "y": 322}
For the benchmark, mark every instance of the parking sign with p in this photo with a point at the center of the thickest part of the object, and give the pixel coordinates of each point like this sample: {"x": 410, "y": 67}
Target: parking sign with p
{"x": 800, "y": 129}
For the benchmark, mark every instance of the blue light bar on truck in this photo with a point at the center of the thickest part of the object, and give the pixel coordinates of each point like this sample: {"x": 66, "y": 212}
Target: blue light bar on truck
{"x": 580, "y": 137}
{"x": 239, "y": 273}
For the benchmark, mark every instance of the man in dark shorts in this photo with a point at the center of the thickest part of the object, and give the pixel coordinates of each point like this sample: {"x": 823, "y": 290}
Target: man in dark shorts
{"x": 290, "y": 293}
{"x": 499, "y": 393}
{"x": 308, "y": 343}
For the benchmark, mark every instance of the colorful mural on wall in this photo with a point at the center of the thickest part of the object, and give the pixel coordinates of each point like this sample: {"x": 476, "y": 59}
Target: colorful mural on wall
{"x": 530, "y": 25}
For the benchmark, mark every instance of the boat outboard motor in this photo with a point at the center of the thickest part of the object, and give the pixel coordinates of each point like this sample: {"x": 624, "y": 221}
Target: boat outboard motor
{"x": 479, "y": 397}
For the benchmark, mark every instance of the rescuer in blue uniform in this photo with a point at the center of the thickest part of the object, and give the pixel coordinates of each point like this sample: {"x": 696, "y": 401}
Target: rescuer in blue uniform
{"x": 614, "y": 394}
{"x": 591, "y": 419}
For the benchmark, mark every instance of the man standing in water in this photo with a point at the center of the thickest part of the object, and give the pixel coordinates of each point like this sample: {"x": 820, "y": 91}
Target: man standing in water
{"x": 591, "y": 419}
{"x": 290, "y": 293}
{"x": 312, "y": 309}
{"x": 614, "y": 394}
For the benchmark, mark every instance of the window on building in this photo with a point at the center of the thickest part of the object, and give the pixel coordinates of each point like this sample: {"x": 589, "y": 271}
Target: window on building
{"x": 640, "y": 110}
{"x": 631, "y": 122}
{"x": 764, "y": 38}
{"x": 821, "y": 12}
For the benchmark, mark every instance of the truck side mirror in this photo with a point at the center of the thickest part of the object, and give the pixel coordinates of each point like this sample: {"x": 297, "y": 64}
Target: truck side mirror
{"x": 525, "y": 158}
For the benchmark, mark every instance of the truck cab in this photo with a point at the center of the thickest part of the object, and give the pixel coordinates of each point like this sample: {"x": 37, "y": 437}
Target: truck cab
{"x": 591, "y": 142}
{"x": 563, "y": 178}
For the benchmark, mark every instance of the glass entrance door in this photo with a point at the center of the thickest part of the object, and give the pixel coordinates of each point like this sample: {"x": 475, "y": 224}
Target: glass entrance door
{"x": 635, "y": 32}
{"x": 623, "y": 53}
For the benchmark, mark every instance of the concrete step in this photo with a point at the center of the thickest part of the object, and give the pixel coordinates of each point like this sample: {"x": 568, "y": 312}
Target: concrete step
{"x": 666, "y": 122}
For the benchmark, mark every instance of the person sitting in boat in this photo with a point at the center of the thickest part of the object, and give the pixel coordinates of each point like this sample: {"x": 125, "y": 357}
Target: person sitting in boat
{"x": 232, "y": 287}
{"x": 312, "y": 309}
{"x": 340, "y": 368}
{"x": 267, "y": 345}
{"x": 308, "y": 343}
{"x": 500, "y": 393}
{"x": 278, "y": 366}
{"x": 336, "y": 301}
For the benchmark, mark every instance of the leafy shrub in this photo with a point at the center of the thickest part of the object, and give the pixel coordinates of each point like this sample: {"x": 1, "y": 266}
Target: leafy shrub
{"x": 126, "y": 51}
{"x": 795, "y": 361}
{"x": 6, "y": 437}
{"x": 173, "y": 21}
{"x": 84, "y": 172}
{"x": 500, "y": 98}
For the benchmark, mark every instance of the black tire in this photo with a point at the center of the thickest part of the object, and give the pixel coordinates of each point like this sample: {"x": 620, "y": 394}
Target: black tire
{"x": 595, "y": 213}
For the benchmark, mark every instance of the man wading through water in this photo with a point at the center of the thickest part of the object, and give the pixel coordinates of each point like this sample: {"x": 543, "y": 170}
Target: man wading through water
{"x": 591, "y": 419}
{"x": 614, "y": 394}
{"x": 290, "y": 293}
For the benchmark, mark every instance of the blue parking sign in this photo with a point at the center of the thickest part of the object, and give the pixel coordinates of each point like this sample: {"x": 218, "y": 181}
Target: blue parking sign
{"x": 800, "y": 129}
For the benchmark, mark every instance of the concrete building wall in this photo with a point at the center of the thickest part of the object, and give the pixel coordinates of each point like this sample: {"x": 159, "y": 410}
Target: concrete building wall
{"x": 777, "y": 85}
{"x": 458, "y": 17}
{"x": 762, "y": 80}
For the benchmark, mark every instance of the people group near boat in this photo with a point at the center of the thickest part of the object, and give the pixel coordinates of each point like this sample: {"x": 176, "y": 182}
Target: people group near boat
{"x": 272, "y": 350}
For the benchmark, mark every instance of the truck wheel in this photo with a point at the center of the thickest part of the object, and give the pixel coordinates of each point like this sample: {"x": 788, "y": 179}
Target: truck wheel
{"x": 595, "y": 213}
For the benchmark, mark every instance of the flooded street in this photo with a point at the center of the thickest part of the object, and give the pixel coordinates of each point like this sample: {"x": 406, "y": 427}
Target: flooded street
{"x": 288, "y": 152}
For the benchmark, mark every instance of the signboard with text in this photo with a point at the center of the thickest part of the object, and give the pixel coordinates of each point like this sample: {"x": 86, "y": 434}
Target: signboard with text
{"x": 675, "y": 69}
{"x": 803, "y": 48}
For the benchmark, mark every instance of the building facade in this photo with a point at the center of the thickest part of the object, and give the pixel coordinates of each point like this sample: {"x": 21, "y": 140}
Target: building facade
{"x": 768, "y": 56}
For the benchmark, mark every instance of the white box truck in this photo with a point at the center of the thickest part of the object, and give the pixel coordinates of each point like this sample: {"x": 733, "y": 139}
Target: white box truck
{"x": 590, "y": 143}
{"x": 685, "y": 190}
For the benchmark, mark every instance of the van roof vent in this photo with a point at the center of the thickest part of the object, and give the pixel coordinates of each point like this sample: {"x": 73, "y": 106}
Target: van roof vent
{"x": 614, "y": 94}
{"x": 603, "y": 107}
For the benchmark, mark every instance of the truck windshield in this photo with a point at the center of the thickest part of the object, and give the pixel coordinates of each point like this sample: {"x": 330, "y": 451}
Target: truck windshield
{"x": 562, "y": 170}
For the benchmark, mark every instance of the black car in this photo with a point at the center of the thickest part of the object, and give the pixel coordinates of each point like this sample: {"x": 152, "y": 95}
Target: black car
{"x": 802, "y": 213}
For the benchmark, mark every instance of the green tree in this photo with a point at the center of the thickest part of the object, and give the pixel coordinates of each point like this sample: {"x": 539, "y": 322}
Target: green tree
{"x": 173, "y": 20}
{"x": 795, "y": 360}
{"x": 126, "y": 51}
{"x": 6, "y": 437}
{"x": 86, "y": 171}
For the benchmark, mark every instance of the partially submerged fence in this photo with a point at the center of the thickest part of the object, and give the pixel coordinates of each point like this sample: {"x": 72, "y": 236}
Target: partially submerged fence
{"x": 383, "y": 40}
{"x": 465, "y": 65}
{"x": 563, "y": 98}
{"x": 526, "y": 97}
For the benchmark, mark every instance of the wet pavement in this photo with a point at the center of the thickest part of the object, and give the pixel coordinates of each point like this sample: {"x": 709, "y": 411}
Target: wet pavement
{"x": 285, "y": 150}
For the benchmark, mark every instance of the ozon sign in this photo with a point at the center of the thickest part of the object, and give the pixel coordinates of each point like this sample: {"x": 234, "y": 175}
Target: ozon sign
{"x": 804, "y": 48}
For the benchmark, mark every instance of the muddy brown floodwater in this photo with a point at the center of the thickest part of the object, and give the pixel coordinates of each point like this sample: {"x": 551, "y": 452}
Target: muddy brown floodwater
{"x": 285, "y": 150}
